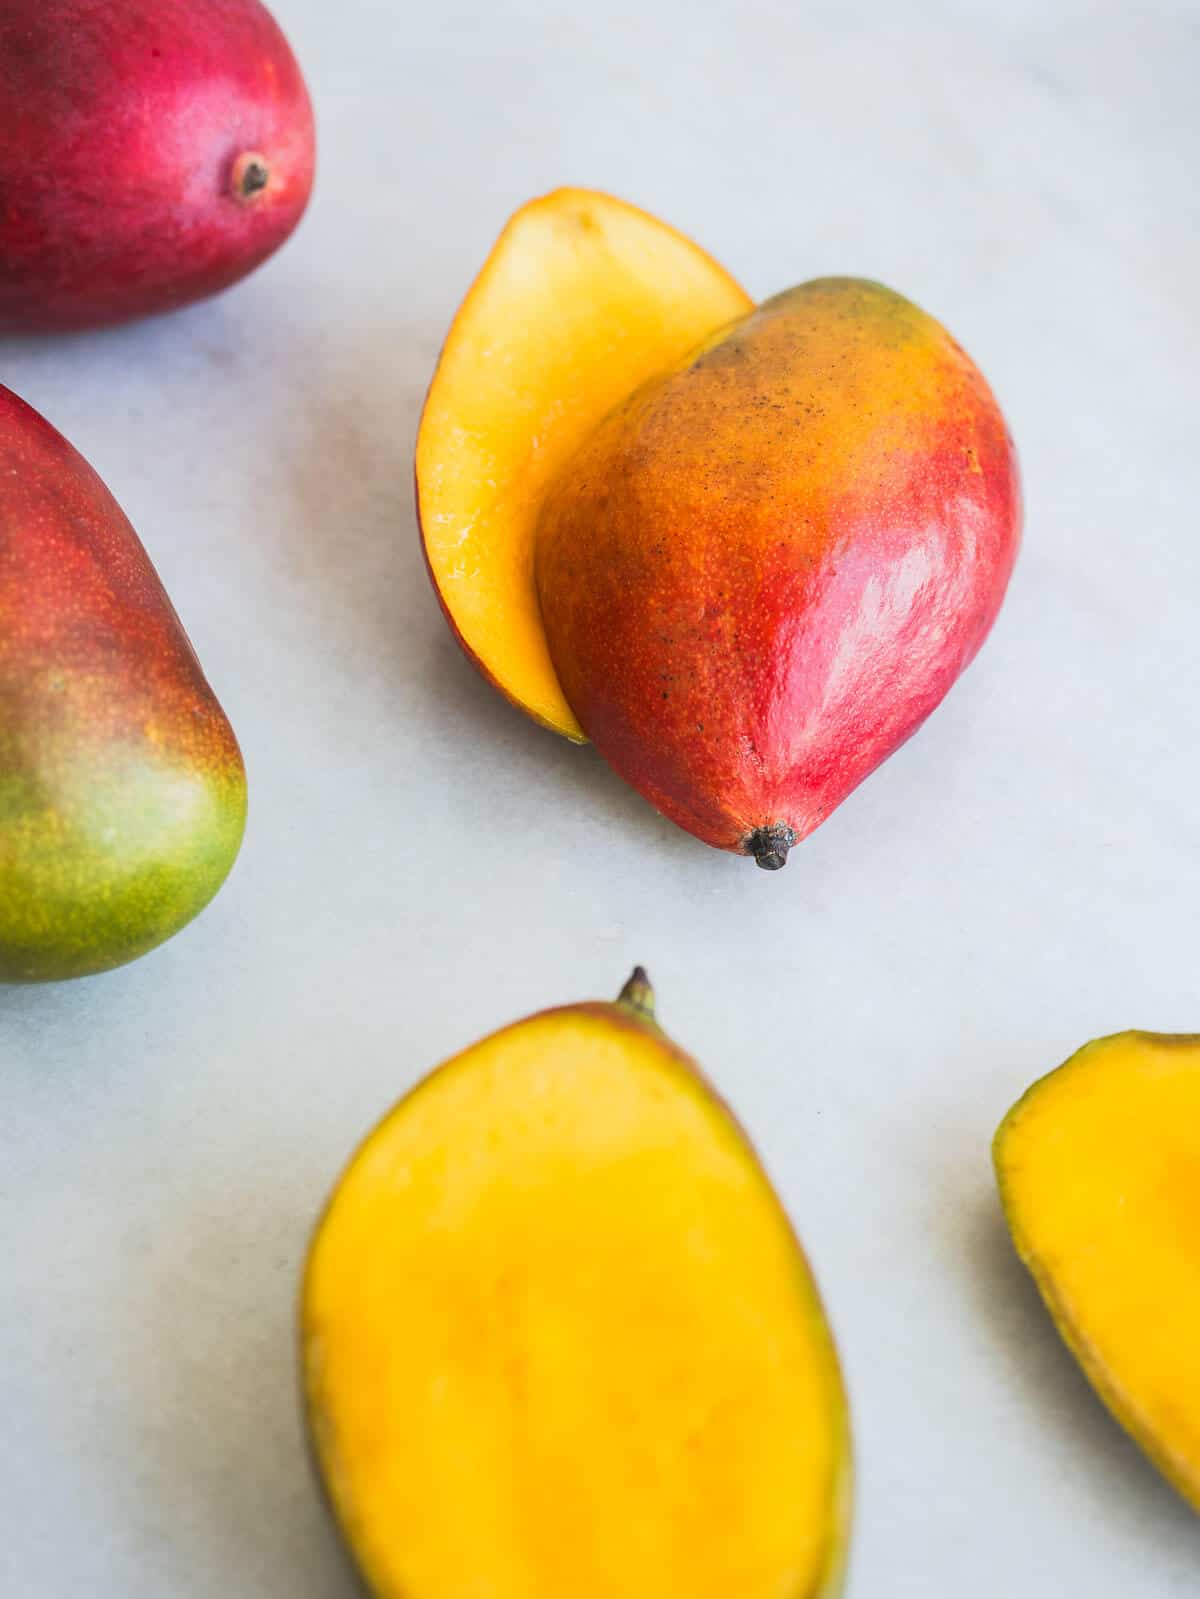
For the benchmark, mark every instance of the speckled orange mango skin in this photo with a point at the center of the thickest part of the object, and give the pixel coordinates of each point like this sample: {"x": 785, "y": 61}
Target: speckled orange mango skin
{"x": 122, "y": 789}
{"x": 765, "y": 569}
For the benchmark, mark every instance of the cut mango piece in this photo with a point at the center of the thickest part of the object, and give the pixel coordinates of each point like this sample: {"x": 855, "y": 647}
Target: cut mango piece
{"x": 582, "y": 300}
{"x": 1099, "y": 1172}
{"x": 560, "y": 1342}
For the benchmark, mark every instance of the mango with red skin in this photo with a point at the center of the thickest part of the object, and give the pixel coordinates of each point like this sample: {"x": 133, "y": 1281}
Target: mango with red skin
{"x": 122, "y": 788}
{"x": 152, "y": 152}
{"x": 766, "y": 568}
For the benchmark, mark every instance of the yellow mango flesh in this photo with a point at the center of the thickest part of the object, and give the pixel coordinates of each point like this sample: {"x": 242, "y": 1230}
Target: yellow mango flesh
{"x": 582, "y": 299}
{"x": 560, "y": 1341}
{"x": 1099, "y": 1171}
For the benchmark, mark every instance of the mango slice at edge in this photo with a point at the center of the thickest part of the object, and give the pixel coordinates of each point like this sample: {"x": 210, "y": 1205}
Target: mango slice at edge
{"x": 1099, "y": 1173}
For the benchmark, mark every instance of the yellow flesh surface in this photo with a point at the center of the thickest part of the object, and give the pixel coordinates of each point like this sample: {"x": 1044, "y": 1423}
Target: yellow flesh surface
{"x": 1099, "y": 1169}
{"x": 560, "y": 1342}
{"x": 582, "y": 299}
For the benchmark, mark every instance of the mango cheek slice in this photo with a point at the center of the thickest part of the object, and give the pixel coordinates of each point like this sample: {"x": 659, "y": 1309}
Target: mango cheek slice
{"x": 582, "y": 299}
{"x": 559, "y": 1338}
{"x": 1099, "y": 1172}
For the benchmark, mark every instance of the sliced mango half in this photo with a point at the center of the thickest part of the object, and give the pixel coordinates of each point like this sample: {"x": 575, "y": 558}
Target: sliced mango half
{"x": 582, "y": 300}
{"x": 1099, "y": 1172}
{"x": 560, "y": 1342}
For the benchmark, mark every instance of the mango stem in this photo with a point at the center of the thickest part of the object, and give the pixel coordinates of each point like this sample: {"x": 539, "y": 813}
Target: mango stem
{"x": 770, "y": 845}
{"x": 638, "y": 994}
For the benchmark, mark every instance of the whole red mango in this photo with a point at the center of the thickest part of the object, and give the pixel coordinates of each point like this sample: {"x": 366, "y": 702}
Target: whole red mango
{"x": 122, "y": 788}
{"x": 152, "y": 152}
{"x": 765, "y": 569}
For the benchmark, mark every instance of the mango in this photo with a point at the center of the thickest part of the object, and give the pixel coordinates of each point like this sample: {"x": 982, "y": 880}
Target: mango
{"x": 558, "y": 1337}
{"x": 1098, "y": 1168}
{"x": 765, "y": 568}
{"x": 745, "y": 552}
{"x": 122, "y": 789}
{"x": 152, "y": 152}
{"x": 582, "y": 299}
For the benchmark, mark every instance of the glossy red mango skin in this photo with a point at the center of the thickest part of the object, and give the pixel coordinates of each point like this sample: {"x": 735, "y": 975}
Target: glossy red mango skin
{"x": 766, "y": 569}
{"x": 122, "y": 788}
{"x": 121, "y": 127}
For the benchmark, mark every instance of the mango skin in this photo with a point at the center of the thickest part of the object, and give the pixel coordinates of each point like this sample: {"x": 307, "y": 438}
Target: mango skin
{"x": 124, "y": 131}
{"x": 122, "y": 788}
{"x": 762, "y": 572}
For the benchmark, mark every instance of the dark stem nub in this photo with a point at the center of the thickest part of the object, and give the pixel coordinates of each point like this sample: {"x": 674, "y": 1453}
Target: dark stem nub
{"x": 638, "y": 994}
{"x": 770, "y": 845}
{"x": 251, "y": 175}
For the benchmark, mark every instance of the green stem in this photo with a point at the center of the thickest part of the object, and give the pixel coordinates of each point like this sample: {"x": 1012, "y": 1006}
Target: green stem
{"x": 638, "y": 994}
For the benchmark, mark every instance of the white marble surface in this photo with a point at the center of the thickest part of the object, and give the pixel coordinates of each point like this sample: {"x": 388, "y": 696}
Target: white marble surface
{"x": 423, "y": 865}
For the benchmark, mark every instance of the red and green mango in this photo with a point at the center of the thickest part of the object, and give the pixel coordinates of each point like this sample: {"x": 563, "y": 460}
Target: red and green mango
{"x": 122, "y": 788}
